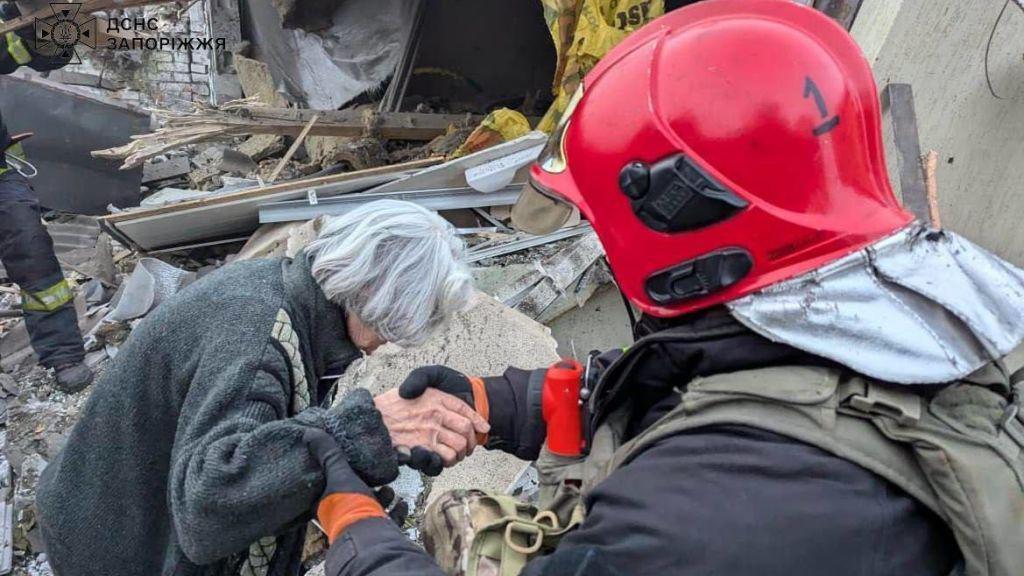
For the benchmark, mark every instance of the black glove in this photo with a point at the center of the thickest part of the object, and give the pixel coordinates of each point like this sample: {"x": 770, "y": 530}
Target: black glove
{"x": 446, "y": 380}
{"x": 443, "y": 378}
{"x": 419, "y": 458}
{"x": 358, "y": 428}
{"x": 341, "y": 481}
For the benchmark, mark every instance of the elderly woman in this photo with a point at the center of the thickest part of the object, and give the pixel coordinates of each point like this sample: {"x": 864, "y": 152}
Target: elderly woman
{"x": 189, "y": 457}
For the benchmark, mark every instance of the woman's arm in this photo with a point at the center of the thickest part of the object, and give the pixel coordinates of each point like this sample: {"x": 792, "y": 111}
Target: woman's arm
{"x": 240, "y": 470}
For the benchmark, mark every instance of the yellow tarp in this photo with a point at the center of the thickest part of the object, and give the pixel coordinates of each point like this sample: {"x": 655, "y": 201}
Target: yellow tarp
{"x": 499, "y": 126}
{"x": 584, "y": 31}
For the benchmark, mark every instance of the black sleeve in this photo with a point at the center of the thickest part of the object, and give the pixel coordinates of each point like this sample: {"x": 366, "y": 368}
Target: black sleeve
{"x": 376, "y": 546}
{"x": 517, "y": 425}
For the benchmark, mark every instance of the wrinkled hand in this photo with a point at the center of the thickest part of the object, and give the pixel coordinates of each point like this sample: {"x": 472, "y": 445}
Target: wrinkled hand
{"x": 436, "y": 421}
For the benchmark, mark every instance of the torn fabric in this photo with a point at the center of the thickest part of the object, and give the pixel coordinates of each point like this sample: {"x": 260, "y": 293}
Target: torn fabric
{"x": 326, "y": 69}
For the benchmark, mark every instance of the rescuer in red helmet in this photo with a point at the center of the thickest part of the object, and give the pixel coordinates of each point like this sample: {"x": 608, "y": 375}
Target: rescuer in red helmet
{"x": 819, "y": 383}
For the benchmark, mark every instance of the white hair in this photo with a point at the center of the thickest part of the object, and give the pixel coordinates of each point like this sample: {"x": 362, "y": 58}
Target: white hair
{"x": 397, "y": 266}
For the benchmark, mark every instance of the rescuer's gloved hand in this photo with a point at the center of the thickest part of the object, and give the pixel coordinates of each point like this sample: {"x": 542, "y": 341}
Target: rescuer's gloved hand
{"x": 511, "y": 404}
{"x": 346, "y": 499}
{"x": 420, "y": 458}
{"x": 470, "y": 390}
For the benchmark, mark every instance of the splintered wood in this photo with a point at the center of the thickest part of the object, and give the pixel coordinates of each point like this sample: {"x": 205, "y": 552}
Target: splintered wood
{"x": 250, "y": 116}
{"x": 929, "y": 163}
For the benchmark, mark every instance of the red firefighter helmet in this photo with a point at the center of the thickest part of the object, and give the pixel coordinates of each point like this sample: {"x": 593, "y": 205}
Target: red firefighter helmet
{"x": 724, "y": 147}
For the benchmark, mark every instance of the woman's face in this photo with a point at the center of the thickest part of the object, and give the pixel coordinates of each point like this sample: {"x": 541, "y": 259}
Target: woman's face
{"x": 364, "y": 337}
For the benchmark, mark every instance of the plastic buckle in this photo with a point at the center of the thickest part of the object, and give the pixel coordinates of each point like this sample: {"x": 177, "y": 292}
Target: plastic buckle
{"x": 527, "y": 530}
{"x": 904, "y": 407}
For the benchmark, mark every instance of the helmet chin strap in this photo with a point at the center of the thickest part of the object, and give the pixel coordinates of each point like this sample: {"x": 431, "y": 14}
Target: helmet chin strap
{"x": 633, "y": 320}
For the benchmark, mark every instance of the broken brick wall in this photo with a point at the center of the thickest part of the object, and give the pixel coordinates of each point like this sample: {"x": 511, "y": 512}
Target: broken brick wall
{"x": 172, "y": 79}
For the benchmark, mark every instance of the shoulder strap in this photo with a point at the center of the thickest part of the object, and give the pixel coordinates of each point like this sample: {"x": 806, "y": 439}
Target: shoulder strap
{"x": 801, "y": 403}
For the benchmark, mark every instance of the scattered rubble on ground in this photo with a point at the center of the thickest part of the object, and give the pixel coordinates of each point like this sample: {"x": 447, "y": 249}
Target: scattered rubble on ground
{"x": 248, "y": 148}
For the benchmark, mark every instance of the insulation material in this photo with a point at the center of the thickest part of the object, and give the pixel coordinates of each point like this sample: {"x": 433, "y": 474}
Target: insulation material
{"x": 583, "y": 32}
{"x": 327, "y": 69}
{"x": 151, "y": 283}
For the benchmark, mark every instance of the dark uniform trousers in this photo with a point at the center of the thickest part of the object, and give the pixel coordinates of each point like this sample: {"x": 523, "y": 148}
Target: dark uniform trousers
{"x": 26, "y": 251}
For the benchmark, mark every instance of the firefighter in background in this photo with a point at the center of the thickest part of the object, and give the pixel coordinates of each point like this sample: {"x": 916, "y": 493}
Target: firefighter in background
{"x": 26, "y": 249}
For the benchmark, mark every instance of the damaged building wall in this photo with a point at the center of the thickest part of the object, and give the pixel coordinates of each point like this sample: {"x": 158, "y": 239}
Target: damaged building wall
{"x": 942, "y": 49}
{"x": 163, "y": 78}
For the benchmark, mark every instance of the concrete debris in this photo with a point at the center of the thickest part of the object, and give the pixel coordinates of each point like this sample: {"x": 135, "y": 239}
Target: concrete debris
{"x": 355, "y": 153}
{"x": 281, "y": 239}
{"x": 165, "y": 168}
{"x": 571, "y": 275}
{"x": 218, "y": 160}
{"x": 38, "y": 423}
{"x": 261, "y": 146}
{"x": 258, "y": 83}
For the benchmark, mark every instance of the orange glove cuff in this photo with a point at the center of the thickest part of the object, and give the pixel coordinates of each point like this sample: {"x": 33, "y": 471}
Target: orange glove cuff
{"x": 340, "y": 510}
{"x": 480, "y": 405}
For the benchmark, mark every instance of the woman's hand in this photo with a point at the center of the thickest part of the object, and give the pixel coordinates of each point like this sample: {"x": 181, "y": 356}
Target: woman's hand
{"x": 437, "y": 421}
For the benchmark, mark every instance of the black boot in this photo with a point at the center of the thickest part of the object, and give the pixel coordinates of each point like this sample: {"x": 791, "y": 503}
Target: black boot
{"x": 72, "y": 378}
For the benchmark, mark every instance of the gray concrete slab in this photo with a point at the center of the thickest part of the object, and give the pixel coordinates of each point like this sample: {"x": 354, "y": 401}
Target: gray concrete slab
{"x": 939, "y": 47}
{"x": 601, "y": 324}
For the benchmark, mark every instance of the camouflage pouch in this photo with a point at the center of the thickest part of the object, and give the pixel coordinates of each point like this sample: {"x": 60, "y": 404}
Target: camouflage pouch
{"x": 472, "y": 533}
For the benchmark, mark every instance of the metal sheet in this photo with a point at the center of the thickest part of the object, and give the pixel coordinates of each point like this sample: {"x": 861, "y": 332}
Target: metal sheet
{"x": 452, "y": 174}
{"x": 525, "y": 243}
{"x": 237, "y": 213}
{"x": 67, "y": 127}
{"x": 444, "y": 199}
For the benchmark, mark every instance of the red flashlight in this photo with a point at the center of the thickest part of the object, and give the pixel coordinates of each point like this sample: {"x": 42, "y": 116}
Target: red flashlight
{"x": 560, "y": 404}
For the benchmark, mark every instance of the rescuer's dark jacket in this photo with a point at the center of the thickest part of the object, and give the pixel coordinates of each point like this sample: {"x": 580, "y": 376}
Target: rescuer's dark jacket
{"x": 723, "y": 500}
{"x": 190, "y": 448}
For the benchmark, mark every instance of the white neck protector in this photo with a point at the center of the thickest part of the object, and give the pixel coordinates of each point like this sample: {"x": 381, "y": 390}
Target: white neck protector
{"x": 917, "y": 307}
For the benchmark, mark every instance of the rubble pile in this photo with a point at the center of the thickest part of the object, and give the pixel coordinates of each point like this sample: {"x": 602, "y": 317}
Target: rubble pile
{"x": 314, "y": 111}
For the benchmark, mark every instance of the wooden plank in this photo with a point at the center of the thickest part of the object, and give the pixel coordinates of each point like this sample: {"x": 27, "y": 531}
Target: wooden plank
{"x": 842, "y": 11}
{"x": 349, "y": 123}
{"x": 898, "y": 105}
{"x": 235, "y": 214}
{"x": 267, "y": 190}
{"x": 291, "y": 151}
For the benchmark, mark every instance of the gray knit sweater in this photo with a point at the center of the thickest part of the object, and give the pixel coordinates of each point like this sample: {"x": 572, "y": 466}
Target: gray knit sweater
{"x": 189, "y": 450}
